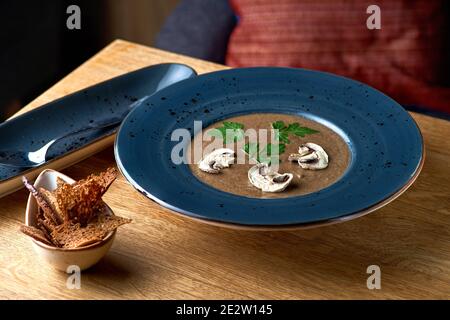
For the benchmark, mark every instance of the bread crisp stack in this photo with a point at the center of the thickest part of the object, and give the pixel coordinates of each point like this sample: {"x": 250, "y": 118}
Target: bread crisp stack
{"x": 73, "y": 215}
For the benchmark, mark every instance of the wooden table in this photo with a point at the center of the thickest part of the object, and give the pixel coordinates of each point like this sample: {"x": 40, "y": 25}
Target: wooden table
{"x": 165, "y": 256}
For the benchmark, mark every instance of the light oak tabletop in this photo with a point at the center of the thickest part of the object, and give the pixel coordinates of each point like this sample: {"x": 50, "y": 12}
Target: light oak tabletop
{"x": 165, "y": 256}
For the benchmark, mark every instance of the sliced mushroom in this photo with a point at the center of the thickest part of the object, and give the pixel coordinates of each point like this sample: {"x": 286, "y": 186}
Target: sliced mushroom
{"x": 262, "y": 177}
{"x": 217, "y": 160}
{"x": 310, "y": 156}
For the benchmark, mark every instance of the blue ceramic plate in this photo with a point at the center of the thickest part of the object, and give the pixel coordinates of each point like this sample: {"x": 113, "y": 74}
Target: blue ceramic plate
{"x": 105, "y": 102}
{"x": 385, "y": 143}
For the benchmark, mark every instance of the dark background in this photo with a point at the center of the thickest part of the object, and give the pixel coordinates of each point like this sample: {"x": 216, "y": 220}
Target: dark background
{"x": 37, "y": 49}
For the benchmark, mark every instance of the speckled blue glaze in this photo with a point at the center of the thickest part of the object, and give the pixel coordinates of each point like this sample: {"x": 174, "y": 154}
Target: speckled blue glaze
{"x": 97, "y": 104}
{"x": 385, "y": 143}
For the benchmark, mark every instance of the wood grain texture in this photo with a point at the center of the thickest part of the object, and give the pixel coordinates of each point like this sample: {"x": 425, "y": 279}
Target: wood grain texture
{"x": 165, "y": 256}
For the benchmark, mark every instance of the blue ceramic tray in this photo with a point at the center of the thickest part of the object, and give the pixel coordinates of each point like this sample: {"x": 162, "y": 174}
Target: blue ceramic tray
{"x": 385, "y": 143}
{"x": 102, "y": 103}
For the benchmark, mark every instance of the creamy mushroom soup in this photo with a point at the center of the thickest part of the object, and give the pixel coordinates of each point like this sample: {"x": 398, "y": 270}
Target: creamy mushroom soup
{"x": 235, "y": 178}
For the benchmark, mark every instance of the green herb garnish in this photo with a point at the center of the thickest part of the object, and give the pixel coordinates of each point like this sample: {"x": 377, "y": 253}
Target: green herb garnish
{"x": 230, "y": 131}
{"x": 282, "y": 136}
{"x": 283, "y": 131}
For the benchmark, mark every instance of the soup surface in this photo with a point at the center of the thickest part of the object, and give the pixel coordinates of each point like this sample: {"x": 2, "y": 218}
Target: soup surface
{"x": 235, "y": 180}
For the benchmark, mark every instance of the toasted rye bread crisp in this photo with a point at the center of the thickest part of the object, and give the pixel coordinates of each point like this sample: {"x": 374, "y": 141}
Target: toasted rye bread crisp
{"x": 50, "y": 198}
{"x": 40, "y": 225}
{"x": 60, "y": 182}
{"x": 74, "y": 236}
{"x": 47, "y": 209}
{"x": 79, "y": 202}
{"x": 104, "y": 180}
{"x": 73, "y": 215}
{"x": 36, "y": 234}
{"x": 44, "y": 224}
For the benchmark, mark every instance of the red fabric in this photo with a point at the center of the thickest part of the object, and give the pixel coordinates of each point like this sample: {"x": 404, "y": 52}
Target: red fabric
{"x": 404, "y": 59}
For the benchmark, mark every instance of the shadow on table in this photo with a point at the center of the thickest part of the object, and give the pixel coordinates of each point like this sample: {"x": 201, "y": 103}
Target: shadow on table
{"x": 110, "y": 264}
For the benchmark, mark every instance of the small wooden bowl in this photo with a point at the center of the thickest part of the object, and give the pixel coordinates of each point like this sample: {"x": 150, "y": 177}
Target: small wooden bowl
{"x": 62, "y": 258}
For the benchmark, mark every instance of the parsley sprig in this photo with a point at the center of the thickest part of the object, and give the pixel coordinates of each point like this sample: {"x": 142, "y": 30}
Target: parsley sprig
{"x": 282, "y": 136}
{"x": 234, "y": 131}
{"x": 283, "y": 131}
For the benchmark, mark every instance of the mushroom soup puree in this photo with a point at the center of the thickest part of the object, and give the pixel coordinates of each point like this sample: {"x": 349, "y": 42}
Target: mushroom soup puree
{"x": 235, "y": 178}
